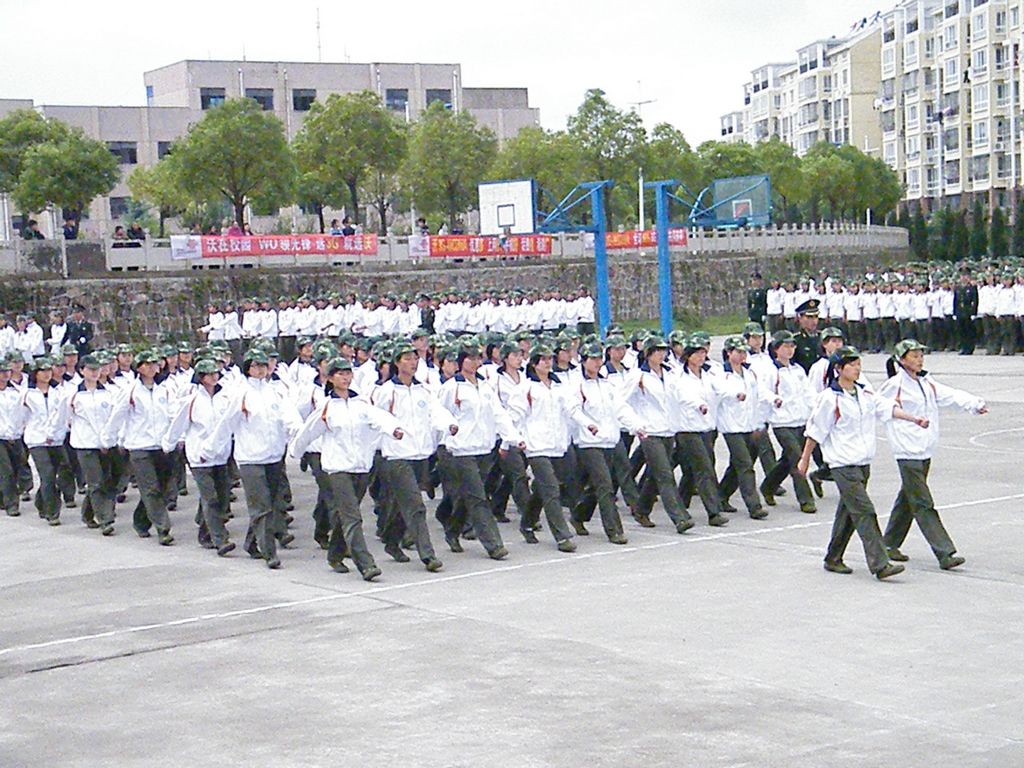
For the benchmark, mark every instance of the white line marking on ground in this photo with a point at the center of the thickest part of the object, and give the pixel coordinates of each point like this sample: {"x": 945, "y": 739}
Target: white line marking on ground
{"x": 976, "y": 440}
{"x": 385, "y": 588}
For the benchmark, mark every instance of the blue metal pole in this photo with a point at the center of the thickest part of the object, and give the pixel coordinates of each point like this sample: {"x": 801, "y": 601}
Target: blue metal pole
{"x": 664, "y": 264}
{"x": 604, "y": 304}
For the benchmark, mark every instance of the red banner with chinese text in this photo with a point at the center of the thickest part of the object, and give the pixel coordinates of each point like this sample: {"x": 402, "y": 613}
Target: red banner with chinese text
{"x": 470, "y": 246}
{"x": 193, "y": 246}
{"x": 647, "y": 238}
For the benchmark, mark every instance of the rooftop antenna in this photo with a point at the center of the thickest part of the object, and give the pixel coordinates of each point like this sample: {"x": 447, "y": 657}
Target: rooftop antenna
{"x": 319, "y": 52}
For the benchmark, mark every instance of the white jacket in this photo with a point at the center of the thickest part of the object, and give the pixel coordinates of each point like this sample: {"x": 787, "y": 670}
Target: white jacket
{"x": 420, "y": 415}
{"x": 348, "y": 430}
{"x": 645, "y": 402}
{"x": 194, "y": 421}
{"x": 87, "y": 413}
{"x": 542, "y": 415}
{"x": 921, "y": 397}
{"x": 844, "y": 424}
{"x": 789, "y": 384}
{"x": 140, "y": 416}
{"x": 12, "y": 413}
{"x": 42, "y": 417}
{"x": 595, "y": 402}
{"x": 479, "y": 415}
{"x": 735, "y": 416}
{"x": 262, "y": 421}
{"x": 690, "y": 393}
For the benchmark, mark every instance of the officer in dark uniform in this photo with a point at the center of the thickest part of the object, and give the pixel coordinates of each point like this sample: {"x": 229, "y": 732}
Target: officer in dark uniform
{"x": 808, "y": 342}
{"x": 965, "y": 309}
{"x": 79, "y": 332}
{"x": 757, "y": 300}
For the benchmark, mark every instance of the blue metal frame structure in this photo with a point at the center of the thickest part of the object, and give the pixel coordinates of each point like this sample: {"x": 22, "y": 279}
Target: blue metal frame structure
{"x": 558, "y": 221}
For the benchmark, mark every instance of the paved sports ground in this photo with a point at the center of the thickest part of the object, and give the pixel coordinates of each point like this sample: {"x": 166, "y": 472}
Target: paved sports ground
{"x": 722, "y": 647}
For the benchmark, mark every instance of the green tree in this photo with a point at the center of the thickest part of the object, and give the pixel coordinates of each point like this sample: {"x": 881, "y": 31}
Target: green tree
{"x": 341, "y": 142}
{"x": 829, "y": 178}
{"x": 612, "y": 145}
{"x": 961, "y": 237}
{"x": 919, "y": 235}
{"x": 157, "y": 186}
{"x": 238, "y": 152}
{"x": 721, "y": 160}
{"x": 941, "y": 230}
{"x": 67, "y": 172}
{"x": 449, "y": 155}
{"x": 998, "y": 237}
{"x": 785, "y": 172}
{"x": 551, "y": 158}
{"x": 19, "y": 132}
{"x": 978, "y": 243}
{"x": 669, "y": 156}
{"x": 1017, "y": 245}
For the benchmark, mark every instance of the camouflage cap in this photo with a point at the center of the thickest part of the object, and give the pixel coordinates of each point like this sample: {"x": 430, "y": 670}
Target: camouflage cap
{"x": 206, "y": 366}
{"x": 736, "y": 342}
{"x": 908, "y": 345}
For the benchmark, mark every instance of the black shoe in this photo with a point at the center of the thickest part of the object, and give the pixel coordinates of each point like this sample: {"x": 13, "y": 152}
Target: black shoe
{"x": 529, "y": 536}
{"x": 165, "y": 539}
{"x": 172, "y": 506}
{"x": 273, "y": 563}
{"x": 108, "y": 529}
{"x": 618, "y": 538}
{"x": 580, "y": 528}
{"x": 454, "y": 544}
{"x": 183, "y": 491}
{"x": 718, "y": 521}
{"x": 253, "y": 550}
{"x": 433, "y": 565}
{"x": 53, "y": 521}
{"x": 819, "y": 489}
{"x": 91, "y": 524}
{"x": 121, "y": 498}
{"x": 498, "y": 553}
{"x": 759, "y": 514}
{"x": 644, "y": 520}
{"x": 143, "y": 534}
{"x": 949, "y": 562}
{"x": 289, "y": 519}
{"x": 809, "y": 508}
{"x": 567, "y": 545}
{"x": 769, "y": 497}
{"x": 891, "y": 569}
{"x": 286, "y": 539}
{"x": 371, "y": 573}
{"x": 469, "y": 535}
{"x": 322, "y": 540}
{"x": 837, "y": 566}
{"x": 896, "y": 555}
{"x": 290, "y": 508}
{"x": 26, "y": 496}
{"x": 729, "y": 508}
{"x": 224, "y": 549}
{"x": 71, "y": 504}
{"x": 684, "y": 525}
{"x": 338, "y": 567}
{"x": 396, "y": 553}
{"x": 780, "y": 491}
{"x": 13, "y": 513}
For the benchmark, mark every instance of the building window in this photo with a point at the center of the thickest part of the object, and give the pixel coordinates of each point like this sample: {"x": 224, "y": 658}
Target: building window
{"x": 126, "y": 152}
{"x": 910, "y": 53}
{"x": 981, "y": 133}
{"x": 1002, "y": 95}
{"x": 262, "y": 96}
{"x": 979, "y": 26}
{"x": 980, "y": 98}
{"x": 396, "y": 99}
{"x": 913, "y": 117}
{"x": 211, "y": 97}
{"x": 888, "y": 61}
{"x": 1000, "y": 22}
{"x": 149, "y": 93}
{"x": 913, "y": 147}
{"x": 303, "y": 98}
{"x": 443, "y": 95}
{"x": 949, "y": 37}
{"x": 119, "y": 207}
{"x": 163, "y": 148}
{"x": 980, "y": 61}
{"x": 951, "y": 72}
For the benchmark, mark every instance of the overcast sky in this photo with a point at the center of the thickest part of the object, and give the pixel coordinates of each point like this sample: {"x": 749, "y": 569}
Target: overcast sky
{"x": 691, "y": 58}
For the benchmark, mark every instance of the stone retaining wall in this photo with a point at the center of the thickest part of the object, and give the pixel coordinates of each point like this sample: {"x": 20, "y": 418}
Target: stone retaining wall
{"x": 147, "y": 307}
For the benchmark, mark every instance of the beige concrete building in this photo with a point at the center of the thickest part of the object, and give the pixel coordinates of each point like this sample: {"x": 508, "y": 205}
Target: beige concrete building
{"x": 178, "y": 94}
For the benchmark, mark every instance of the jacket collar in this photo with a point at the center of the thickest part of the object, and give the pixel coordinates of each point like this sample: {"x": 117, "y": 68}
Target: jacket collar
{"x": 82, "y": 387}
{"x": 836, "y": 388}
{"x": 397, "y": 382}
{"x": 534, "y": 377}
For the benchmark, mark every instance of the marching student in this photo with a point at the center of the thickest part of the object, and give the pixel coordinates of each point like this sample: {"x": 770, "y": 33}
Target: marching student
{"x": 915, "y": 391}
{"x": 540, "y": 410}
{"x": 44, "y": 438}
{"x": 140, "y": 418}
{"x": 791, "y": 400}
{"x": 597, "y": 435}
{"x": 11, "y": 429}
{"x": 193, "y": 422}
{"x": 481, "y": 420}
{"x": 348, "y": 428}
{"x": 843, "y": 424}
{"x": 261, "y": 422}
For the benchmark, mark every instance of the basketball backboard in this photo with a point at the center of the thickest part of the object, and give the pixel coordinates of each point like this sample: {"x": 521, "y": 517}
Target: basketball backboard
{"x": 508, "y": 205}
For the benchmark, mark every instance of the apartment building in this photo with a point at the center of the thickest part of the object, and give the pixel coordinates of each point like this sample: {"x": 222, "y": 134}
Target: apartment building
{"x": 178, "y": 94}
{"x": 827, "y": 94}
{"x": 954, "y": 100}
